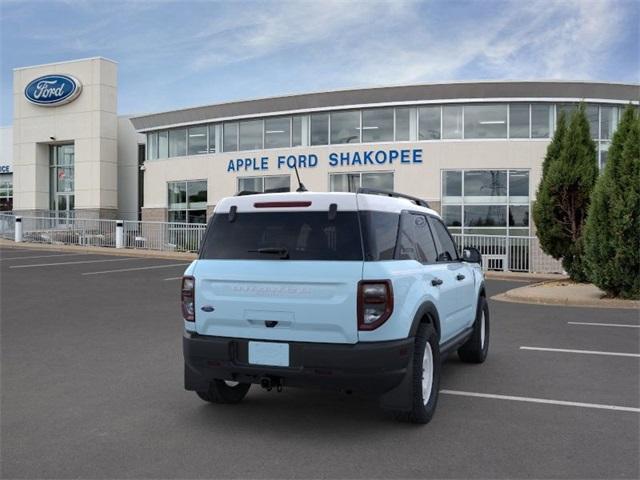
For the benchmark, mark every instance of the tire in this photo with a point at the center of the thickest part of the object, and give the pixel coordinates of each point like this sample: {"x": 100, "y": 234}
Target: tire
{"x": 475, "y": 349}
{"x": 221, "y": 391}
{"x": 426, "y": 361}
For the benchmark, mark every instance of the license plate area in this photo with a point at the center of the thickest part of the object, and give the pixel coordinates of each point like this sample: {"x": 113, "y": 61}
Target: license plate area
{"x": 269, "y": 353}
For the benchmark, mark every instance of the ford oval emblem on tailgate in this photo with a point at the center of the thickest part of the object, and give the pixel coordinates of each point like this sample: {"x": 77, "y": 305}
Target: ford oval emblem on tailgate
{"x": 207, "y": 308}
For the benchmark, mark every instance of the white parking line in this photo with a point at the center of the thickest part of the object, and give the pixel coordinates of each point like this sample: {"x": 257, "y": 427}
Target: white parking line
{"x": 42, "y": 256}
{"x": 135, "y": 269}
{"x": 541, "y": 400}
{"x": 75, "y": 263}
{"x": 588, "y": 352}
{"x": 173, "y": 278}
{"x": 622, "y": 325}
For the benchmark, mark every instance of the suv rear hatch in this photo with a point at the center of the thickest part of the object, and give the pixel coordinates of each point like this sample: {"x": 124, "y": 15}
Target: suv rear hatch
{"x": 281, "y": 267}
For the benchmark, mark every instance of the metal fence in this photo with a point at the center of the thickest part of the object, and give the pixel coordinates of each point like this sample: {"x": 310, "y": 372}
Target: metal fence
{"x": 7, "y": 226}
{"x": 183, "y": 237}
{"x": 67, "y": 231}
{"x": 515, "y": 254}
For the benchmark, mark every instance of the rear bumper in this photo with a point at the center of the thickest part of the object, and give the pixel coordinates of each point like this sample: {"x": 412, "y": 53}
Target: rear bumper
{"x": 374, "y": 367}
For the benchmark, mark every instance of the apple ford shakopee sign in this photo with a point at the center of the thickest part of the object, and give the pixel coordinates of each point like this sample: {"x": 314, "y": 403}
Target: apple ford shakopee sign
{"x": 53, "y": 90}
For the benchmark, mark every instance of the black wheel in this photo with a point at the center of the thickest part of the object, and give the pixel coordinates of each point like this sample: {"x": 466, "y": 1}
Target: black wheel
{"x": 224, "y": 391}
{"x": 476, "y": 348}
{"x": 426, "y": 375}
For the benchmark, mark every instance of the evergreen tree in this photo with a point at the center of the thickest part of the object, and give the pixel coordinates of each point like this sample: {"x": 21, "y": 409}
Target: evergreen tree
{"x": 555, "y": 147}
{"x": 564, "y": 194}
{"x": 612, "y": 233}
{"x": 543, "y": 211}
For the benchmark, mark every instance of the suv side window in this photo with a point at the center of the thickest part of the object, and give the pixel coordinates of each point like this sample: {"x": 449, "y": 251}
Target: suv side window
{"x": 447, "y": 251}
{"x": 414, "y": 240}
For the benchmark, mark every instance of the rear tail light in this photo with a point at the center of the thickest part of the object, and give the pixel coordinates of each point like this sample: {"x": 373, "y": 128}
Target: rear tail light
{"x": 187, "y": 299}
{"x": 375, "y": 303}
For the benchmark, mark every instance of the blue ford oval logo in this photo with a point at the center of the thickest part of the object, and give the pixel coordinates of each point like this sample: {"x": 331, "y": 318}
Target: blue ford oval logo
{"x": 52, "y": 90}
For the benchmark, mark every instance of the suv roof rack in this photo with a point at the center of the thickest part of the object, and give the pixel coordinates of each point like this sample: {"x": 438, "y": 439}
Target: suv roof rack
{"x": 389, "y": 193}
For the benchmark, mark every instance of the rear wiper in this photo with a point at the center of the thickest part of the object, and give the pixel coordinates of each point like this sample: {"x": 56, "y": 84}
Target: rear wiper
{"x": 283, "y": 252}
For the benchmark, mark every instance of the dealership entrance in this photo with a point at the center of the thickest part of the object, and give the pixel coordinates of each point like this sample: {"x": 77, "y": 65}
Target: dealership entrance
{"x": 61, "y": 180}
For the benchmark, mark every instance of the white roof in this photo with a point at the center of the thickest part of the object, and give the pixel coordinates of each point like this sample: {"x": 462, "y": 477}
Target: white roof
{"x": 318, "y": 201}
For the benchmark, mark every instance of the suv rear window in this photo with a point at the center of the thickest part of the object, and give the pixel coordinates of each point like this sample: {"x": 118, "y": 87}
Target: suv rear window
{"x": 280, "y": 235}
{"x": 379, "y": 232}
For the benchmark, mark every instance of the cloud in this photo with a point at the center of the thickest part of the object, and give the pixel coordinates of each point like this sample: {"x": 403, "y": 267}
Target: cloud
{"x": 540, "y": 39}
{"x": 237, "y": 49}
{"x": 406, "y": 42}
{"x": 258, "y": 30}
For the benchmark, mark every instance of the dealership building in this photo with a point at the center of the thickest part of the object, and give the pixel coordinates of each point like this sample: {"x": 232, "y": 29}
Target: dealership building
{"x": 473, "y": 150}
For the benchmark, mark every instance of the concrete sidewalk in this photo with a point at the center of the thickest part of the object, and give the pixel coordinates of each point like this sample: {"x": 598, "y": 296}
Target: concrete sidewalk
{"x": 128, "y": 252}
{"x": 565, "y": 292}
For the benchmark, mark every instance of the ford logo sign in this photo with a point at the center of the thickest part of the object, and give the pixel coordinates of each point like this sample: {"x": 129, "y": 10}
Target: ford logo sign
{"x": 53, "y": 90}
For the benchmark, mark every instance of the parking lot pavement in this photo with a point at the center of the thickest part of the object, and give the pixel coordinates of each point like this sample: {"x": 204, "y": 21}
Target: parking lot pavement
{"x": 92, "y": 387}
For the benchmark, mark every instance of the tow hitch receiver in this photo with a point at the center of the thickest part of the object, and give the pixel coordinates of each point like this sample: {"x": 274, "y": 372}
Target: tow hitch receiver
{"x": 268, "y": 383}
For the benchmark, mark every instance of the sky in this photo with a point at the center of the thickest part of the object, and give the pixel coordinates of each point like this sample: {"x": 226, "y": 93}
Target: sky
{"x": 176, "y": 54}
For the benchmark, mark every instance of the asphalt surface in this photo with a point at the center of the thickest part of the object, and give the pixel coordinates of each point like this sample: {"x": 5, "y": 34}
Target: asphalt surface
{"x": 92, "y": 388}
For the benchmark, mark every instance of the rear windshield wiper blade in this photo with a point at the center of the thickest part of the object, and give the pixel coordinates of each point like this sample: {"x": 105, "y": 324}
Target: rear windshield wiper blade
{"x": 283, "y": 252}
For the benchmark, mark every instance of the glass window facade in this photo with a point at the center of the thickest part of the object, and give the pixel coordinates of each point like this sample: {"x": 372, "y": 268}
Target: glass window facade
{"x": 251, "y": 135}
{"x": 592, "y": 112}
{"x": 541, "y": 120}
{"x": 230, "y": 137}
{"x": 178, "y": 142}
{"x": 488, "y": 202}
{"x": 452, "y": 183}
{"x": 452, "y": 121}
{"x": 485, "y": 121}
{"x": 277, "y": 132}
{"x": 377, "y": 125}
{"x": 519, "y": 120}
{"x": 197, "y": 140}
{"x": 62, "y": 179}
{"x": 429, "y": 123}
{"x": 608, "y": 122}
{"x": 270, "y": 184}
{"x": 163, "y": 144}
{"x": 187, "y": 201}
{"x": 6, "y": 192}
{"x": 152, "y": 146}
{"x": 319, "y": 129}
{"x": 212, "y": 138}
{"x": 350, "y": 182}
{"x": 403, "y": 124}
{"x": 296, "y": 131}
{"x": 345, "y": 127}
{"x": 482, "y": 186}
{"x": 384, "y": 124}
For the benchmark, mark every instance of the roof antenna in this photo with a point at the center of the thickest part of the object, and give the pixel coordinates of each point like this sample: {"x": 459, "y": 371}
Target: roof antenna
{"x": 301, "y": 187}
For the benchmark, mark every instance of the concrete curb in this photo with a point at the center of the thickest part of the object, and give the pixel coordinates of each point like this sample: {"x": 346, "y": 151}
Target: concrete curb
{"x": 537, "y": 295}
{"x": 125, "y": 252}
{"x": 524, "y": 276}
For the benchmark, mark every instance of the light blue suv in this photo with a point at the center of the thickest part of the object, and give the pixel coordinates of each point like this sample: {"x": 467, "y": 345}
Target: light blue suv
{"x": 353, "y": 291}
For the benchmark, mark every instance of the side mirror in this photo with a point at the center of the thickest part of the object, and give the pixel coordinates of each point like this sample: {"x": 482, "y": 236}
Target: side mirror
{"x": 471, "y": 255}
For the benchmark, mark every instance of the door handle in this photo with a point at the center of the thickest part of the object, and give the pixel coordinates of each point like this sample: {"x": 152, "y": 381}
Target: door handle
{"x": 460, "y": 277}
{"x": 436, "y": 281}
